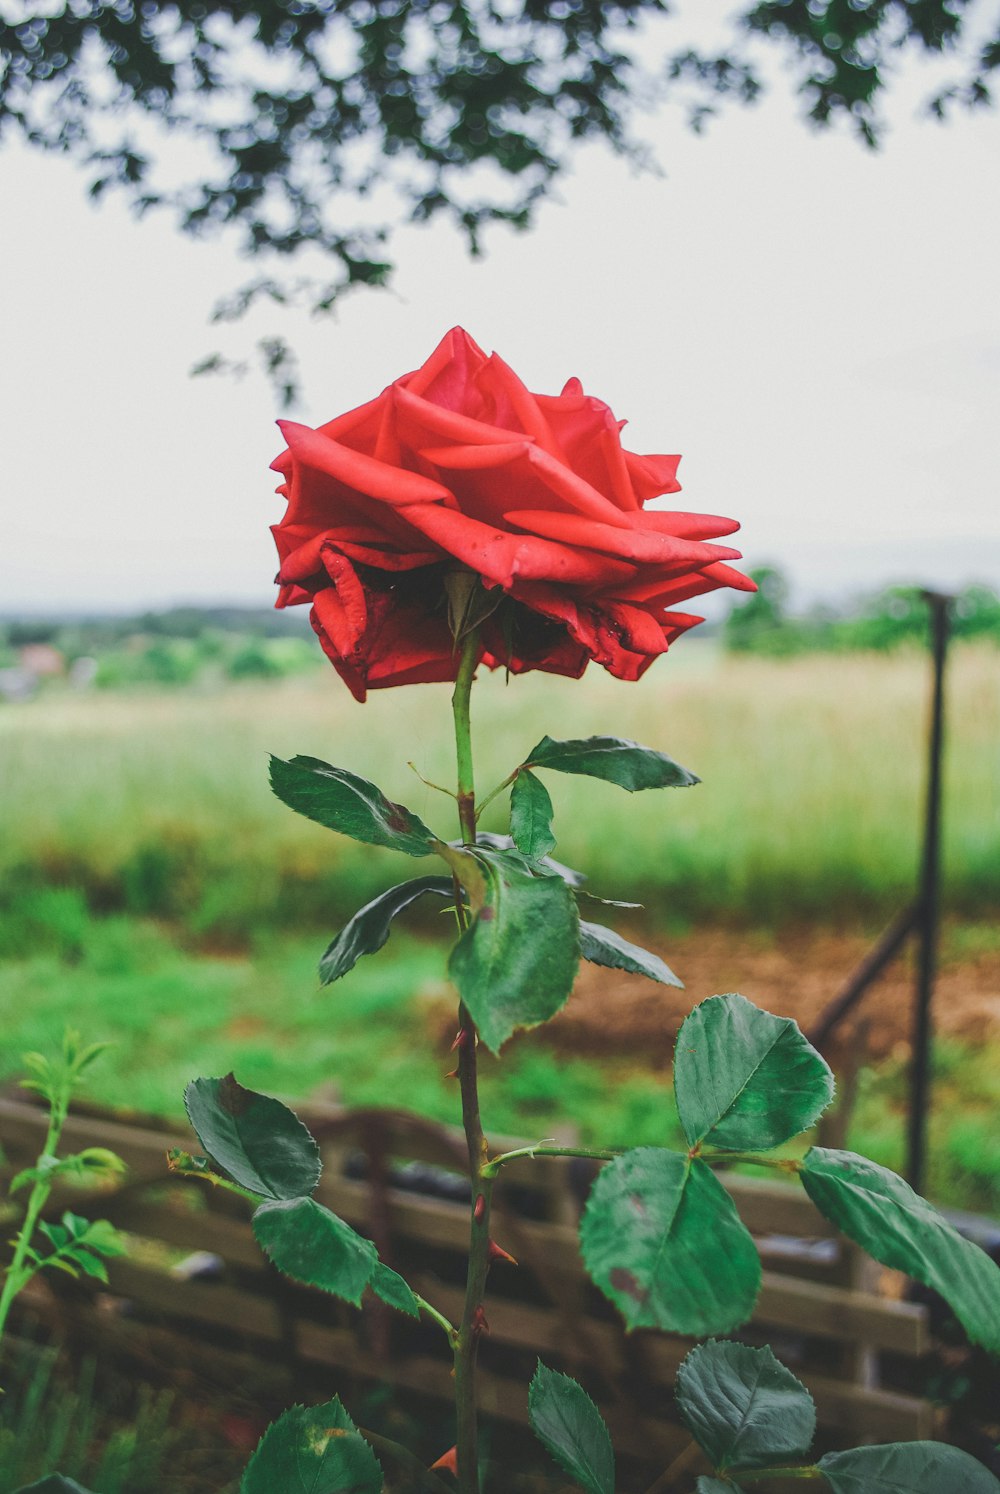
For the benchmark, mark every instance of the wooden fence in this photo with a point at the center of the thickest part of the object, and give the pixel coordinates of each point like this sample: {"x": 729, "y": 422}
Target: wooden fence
{"x": 397, "y": 1179}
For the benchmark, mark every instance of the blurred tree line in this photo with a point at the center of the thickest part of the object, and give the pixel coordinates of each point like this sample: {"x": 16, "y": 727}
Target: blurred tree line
{"x": 325, "y": 123}
{"x": 890, "y": 618}
{"x": 178, "y": 646}
{"x": 185, "y": 646}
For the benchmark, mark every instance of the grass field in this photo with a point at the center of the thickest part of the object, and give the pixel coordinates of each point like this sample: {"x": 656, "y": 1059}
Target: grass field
{"x": 812, "y": 771}
{"x": 381, "y": 1036}
{"x": 152, "y": 891}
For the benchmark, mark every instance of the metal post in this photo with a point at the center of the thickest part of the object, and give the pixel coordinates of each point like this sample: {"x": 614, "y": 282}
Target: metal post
{"x": 929, "y": 906}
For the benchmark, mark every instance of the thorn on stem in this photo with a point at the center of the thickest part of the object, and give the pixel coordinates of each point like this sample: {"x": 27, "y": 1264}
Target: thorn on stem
{"x": 496, "y": 1252}
{"x": 452, "y": 1074}
{"x": 461, "y": 1039}
{"x": 479, "y": 1323}
{"x": 448, "y": 1462}
{"x": 479, "y": 1210}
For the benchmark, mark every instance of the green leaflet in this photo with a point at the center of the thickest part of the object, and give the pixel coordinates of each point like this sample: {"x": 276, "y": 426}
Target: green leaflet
{"x": 390, "y": 1286}
{"x": 899, "y": 1228}
{"x": 309, "y": 1243}
{"x": 745, "y": 1080}
{"x": 313, "y": 1450}
{"x": 514, "y": 965}
{"x": 259, "y": 1142}
{"x": 603, "y": 946}
{"x": 565, "y": 1419}
{"x": 660, "y": 1236}
{"x": 369, "y": 929}
{"x": 351, "y": 805}
{"x": 615, "y": 759}
{"x": 531, "y": 816}
{"x": 743, "y": 1408}
{"x": 907, "y": 1468}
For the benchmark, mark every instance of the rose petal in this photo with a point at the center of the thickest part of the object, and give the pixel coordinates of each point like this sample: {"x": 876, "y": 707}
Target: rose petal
{"x": 449, "y": 369}
{"x": 632, "y": 543}
{"x": 689, "y": 526}
{"x": 652, "y": 475}
{"x": 502, "y": 557}
{"x": 664, "y": 593}
{"x": 343, "y": 615}
{"x": 364, "y": 474}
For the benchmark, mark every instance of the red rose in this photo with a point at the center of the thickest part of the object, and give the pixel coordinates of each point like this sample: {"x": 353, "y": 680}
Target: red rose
{"x": 459, "y": 467}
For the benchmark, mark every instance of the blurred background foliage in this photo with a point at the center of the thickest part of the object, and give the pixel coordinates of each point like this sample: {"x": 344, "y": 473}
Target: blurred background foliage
{"x": 153, "y": 891}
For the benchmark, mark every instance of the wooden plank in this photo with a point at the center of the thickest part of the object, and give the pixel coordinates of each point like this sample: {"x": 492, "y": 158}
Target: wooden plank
{"x": 202, "y": 1229}
{"x": 842, "y": 1314}
{"x": 549, "y": 1252}
{"x": 825, "y": 1311}
{"x": 861, "y": 1411}
{"x": 764, "y": 1206}
{"x": 768, "y": 1208}
{"x": 829, "y": 1312}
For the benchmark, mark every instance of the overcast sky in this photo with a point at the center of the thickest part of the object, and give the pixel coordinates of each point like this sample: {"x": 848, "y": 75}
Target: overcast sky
{"x": 813, "y": 326}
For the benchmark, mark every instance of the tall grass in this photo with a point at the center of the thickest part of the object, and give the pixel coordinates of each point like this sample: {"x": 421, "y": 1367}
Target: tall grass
{"x": 812, "y": 785}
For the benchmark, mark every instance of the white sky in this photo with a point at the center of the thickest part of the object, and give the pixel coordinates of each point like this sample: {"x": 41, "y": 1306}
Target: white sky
{"x": 815, "y": 327}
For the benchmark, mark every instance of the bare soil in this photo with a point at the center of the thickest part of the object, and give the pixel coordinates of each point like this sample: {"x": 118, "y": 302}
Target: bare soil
{"x": 795, "y": 974}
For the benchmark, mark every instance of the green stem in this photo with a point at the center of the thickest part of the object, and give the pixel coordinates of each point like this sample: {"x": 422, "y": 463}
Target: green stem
{"x": 473, "y": 1322}
{"x": 728, "y": 1159}
{"x": 598, "y": 1154}
{"x": 18, "y": 1274}
{"x": 498, "y": 790}
{"x": 810, "y": 1471}
{"x": 460, "y": 706}
{"x": 438, "y": 1317}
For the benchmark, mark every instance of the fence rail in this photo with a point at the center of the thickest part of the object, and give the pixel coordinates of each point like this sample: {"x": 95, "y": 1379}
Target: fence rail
{"x": 819, "y": 1305}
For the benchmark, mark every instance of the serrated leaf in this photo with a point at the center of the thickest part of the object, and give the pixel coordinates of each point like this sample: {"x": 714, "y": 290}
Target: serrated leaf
{"x": 494, "y": 842}
{"x": 75, "y": 1225}
{"x": 86, "y": 1056}
{"x": 93, "y": 1162}
{"x": 91, "y": 1265}
{"x": 743, "y": 1408}
{"x": 531, "y": 816}
{"x": 55, "y": 1483}
{"x": 615, "y": 759}
{"x": 514, "y": 965}
{"x": 312, "y": 1245}
{"x": 390, "y": 1286}
{"x": 348, "y": 804}
{"x": 22, "y": 1179}
{"x": 603, "y": 946}
{"x": 565, "y": 1419}
{"x": 313, "y": 1450}
{"x": 907, "y": 1468}
{"x": 101, "y": 1235}
{"x": 661, "y": 1237}
{"x": 54, "y": 1233}
{"x": 61, "y": 1263}
{"x": 369, "y": 929}
{"x": 745, "y": 1080}
{"x": 259, "y": 1142}
{"x": 882, "y": 1213}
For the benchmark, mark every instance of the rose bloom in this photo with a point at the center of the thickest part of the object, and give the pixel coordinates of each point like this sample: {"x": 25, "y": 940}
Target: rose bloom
{"x": 457, "y": 467}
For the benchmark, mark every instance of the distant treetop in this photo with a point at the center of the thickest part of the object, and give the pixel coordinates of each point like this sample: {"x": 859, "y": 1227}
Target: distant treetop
{"x": 327, "y": 122}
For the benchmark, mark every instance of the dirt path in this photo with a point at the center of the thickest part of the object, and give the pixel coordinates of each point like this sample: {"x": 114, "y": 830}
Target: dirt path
{"x": 794, "y": 974}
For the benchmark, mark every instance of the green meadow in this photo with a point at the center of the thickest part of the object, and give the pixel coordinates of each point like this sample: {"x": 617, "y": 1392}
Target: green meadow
{"x": 154, "y": 893}
{"x": 812, "y": 777}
